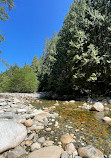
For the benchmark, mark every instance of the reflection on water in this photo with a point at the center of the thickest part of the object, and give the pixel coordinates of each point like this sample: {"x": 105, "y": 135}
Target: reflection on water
{"x": 86, "y": 126}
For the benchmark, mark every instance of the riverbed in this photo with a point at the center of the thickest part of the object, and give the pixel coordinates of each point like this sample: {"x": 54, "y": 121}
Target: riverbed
{"x": 86, "y": 126}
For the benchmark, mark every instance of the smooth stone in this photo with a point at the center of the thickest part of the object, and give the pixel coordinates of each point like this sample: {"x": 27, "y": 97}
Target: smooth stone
{"x": 3, "y": 104}
{"x": 71, "y": 149}
{"x": 64, "y": 154}
{"x": 35, "y": 146}
{"x": 11, "y": 134}
{"x": 15, "y": 106}
{"x": 48, "y": 129}
{"x": 66, "y": 138}
{"x": 1, "y": 111}
{"x": 39, "y": 127}
{"x": 47, "y": 143}
{"x": 107, "y": 120}
{"x": 28, "y": 123}
{"x": 15, "y": 153}
{"x": 72, "y": 101}
{"x": 47, "y": 152}
{"x": 21, "y": 110}
{"x": 41, "y": 140}
{"x": 90, "y": 152}
{"x": 98, "y": 107}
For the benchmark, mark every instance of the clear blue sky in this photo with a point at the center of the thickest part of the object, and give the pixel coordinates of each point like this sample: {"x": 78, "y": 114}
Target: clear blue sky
{"x": 29, "y": 24}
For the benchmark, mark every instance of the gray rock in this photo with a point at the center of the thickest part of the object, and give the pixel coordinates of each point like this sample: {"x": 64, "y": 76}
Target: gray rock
{"x": 11, "y": 134}
{"x": 41, "y": 140}
{"x": 90, "y": 152}
{"x": 15, "y": 153}
{"x": 64, "y": 154}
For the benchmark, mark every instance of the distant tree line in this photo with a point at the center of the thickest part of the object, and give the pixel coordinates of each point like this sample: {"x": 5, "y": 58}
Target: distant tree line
{"x": 78, "y": 59}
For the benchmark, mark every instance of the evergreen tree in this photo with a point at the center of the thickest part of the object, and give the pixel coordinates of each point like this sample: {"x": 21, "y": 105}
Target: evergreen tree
{"x": 83, "y": 61}
{"x": 34, "y": 65}
{"x": 48, "y": 61}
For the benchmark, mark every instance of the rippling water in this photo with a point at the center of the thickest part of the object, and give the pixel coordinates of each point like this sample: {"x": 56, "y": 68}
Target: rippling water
{"x": 86, "y": 126}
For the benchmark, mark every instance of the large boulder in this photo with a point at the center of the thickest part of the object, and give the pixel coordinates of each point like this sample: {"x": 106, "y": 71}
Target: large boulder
{"x": 11, "y": 134}
{"x": 98, "y": 107}
{"x": 90, "y": 152}
{"x": 47, "y": 152}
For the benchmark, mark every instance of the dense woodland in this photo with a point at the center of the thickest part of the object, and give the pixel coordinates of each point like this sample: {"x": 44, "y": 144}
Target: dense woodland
{"x": 77, "y": 60}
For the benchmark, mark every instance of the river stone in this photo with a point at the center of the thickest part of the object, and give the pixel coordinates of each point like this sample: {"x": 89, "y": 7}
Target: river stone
{"x": 66, "y": 138}
{"x": 35, "y": 146}
{"x": 90, "y": 152}
{"x": 11, "y": 134}
{"x": 98, "y": 107}
{"x": 71, "y": 149}
{"x": 47, "y": 152}
{"x": 65, "y": 154}
{"x": 17, "y": 152}
{"x": 107, "y": 120}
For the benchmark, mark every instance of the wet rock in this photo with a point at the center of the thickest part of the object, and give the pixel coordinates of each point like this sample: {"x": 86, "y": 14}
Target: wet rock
{"x": 47, "y": 152}
{"x": 98, "y": 107}
{"x": 99, "y": 115}
{"x": 66, "y": 138}
{"x": 90, "y": 152}
{"x": 35, "y": 146}
{"x": 11, "y": 134}
{"x": 15, "y": 153}
{"x": 71, "y": 149}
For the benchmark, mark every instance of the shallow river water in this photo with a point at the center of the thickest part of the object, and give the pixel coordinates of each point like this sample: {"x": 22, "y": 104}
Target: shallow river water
{"x": 87, "y": 126}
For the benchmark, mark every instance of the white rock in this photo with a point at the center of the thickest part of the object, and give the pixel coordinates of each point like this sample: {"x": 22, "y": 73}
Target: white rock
{"x": 11, "y": 134}
{"x": 35, "y": 146}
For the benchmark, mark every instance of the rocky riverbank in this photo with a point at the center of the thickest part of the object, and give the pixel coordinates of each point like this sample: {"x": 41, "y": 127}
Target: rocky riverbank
{"x": 20, "y": 126}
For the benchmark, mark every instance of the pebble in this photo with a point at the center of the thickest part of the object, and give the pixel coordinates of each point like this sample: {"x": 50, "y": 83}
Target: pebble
{"x": 41, "y": 140}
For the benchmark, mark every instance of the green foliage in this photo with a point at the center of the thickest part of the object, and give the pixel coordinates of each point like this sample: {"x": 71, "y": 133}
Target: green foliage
{"x": 47, "y": 62}
{"x": 83, "y": 50}
{"x": 34, "y": 65}
{"x": 18, "y": 80}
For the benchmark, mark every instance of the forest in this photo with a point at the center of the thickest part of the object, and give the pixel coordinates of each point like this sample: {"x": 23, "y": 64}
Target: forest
{"x": 76, "y": 61}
